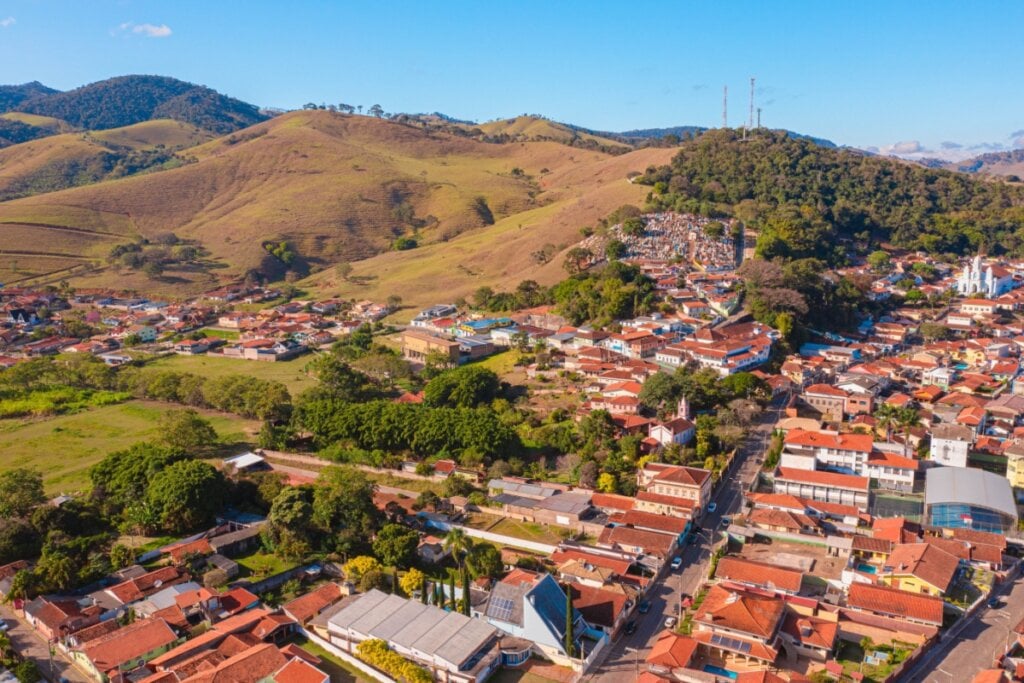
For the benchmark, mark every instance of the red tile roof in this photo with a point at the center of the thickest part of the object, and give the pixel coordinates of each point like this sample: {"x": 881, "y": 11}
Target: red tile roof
{"x": 758, "y": 574}
{"x": 742, "y": 611}
{"x": 299, "y": 671}
{"x": 651, "y": 521}
{"x": 672, "y": 651}
{"x": 894, "y": 602}
{"x": 830, "y": 479}
{"x": 847, "y": 442}
{"x": 305, "y": 607}
{"x": 924, "y": 561}
{"x": 128, "y": 643}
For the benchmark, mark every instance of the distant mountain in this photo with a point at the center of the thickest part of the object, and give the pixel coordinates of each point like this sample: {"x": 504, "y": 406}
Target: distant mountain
{"x": 1009, "y": 163}
{"x": 658, "y": 133}
{"x": 13, "y": 95}
{"x": 127, "y": 100}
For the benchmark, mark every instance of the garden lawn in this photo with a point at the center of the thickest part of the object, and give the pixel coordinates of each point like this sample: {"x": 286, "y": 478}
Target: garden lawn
{"x": 339, "y": 671}
{"x": 528, "y": 531}
{"x": 64, "y": 447}
{"x": 289, "y": 372}
{"x": 260, "y": 565}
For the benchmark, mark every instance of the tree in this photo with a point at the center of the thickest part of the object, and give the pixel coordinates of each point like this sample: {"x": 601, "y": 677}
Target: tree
{"x": 374, "y": 579}
{"x": 186, "y": 495}
{"x": 343, "y": 508}
{"x": 465, "y": 593}
{"x": 376, "y": 110}
{"x": 412, "y": 581}
{"x": 464, "y": 387}
{"x": 589, "y": 472}
{"x": 21, "y": 583}
{"x": 451, "y": 592}
{"x": 484, "y": 560}
{"x": 343, "y": 269}
{"x": 615, "y": 249}
{"x": 607, "y": 483}
{"x": 879, "y": 261}
{"x": 187, "y": 430}
{"x": 570, "y": 623}
{"x": 576, "y": 260}
{"x": 121, "y": 556}
{"x": 458, "y": 543}
{"x": 358, "y": 566}
{"x": 395, "y": 545}
{"x": 427, "y": 500}
{"x": 57, "y": 569}
{"x": 27, "y": 671}
{"x": 21, "y": 489}
{"x": 290, "y": 523}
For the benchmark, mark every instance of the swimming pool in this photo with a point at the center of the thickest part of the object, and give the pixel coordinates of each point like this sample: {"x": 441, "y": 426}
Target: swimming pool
{"x": 867, "y": 568}
{"x": 719, "y": 671}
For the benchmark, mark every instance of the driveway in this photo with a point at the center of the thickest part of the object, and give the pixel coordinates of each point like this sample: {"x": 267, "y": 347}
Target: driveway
{"x": 625, "y": 659}
{"x": 31, "y": 645}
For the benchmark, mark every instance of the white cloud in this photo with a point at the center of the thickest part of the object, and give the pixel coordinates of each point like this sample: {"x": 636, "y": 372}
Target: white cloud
{"x": 9, "y": 21}
{"x": 147, "y": 30}
{"x": 904, "y": 147}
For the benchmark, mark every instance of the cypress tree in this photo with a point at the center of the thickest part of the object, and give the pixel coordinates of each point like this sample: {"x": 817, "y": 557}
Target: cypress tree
{"x": 423, "y": 590}
{"x": 570, "y": 641}
{"x": 451, "y": 591}
{"x": 465, "y": 592}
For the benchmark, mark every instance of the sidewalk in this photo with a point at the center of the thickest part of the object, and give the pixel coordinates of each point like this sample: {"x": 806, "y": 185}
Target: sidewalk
{"x": 32, "y": 646}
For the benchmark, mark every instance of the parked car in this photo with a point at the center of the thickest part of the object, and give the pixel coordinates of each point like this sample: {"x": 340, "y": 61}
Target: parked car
{"x": 677, "y": 562}
{"x": 712, "y": 506}
{"x": 726, "y": 521}
{"x": 4, "y": 626}
{"x": 994, "y": 602}
{"x": 630, "y": 628}
{"x": 670, "y": 622}
{"x": 645, "y": 607}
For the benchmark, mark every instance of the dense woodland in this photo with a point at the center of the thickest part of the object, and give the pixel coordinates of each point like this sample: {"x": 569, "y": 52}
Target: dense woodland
{"x": 813, "y": 201}
{"x": 126, "y": 100}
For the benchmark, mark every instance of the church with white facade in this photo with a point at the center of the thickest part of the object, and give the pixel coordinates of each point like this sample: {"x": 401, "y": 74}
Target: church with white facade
{"x": 990, "y": 281}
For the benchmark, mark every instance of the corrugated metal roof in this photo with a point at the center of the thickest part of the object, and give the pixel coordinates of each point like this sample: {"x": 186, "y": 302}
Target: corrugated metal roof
{"x": 969, "y": 486}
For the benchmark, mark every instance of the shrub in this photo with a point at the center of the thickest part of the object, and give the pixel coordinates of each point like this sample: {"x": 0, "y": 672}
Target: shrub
{"x": 377, "y": 654}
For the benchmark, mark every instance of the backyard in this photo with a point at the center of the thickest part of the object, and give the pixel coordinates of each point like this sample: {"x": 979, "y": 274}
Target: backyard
{"x": 290, "y": 373}
{"x": 877, "y": 663}
{"x": 260, "y": 565}
{"x": 528, "y": 531}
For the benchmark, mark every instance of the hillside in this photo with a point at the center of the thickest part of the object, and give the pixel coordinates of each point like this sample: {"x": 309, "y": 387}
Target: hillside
{"x": 71, "y": 159}
{"x": 805, "y": 198}
{"x": 333, "y": 187}
{"x": 532, "y": 128}
{"x": 127, "y": 100}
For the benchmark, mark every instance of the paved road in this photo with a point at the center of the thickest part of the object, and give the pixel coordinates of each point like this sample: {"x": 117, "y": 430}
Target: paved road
{"x": 977, "y": 647}
{"x": 625, "y": 658}
{"x": 30, "y": 644}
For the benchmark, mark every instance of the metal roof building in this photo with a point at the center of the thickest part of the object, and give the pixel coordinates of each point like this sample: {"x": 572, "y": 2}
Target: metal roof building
{"x": 969, "y": 498}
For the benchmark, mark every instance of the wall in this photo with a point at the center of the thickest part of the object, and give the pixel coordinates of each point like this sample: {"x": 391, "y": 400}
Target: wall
{"x": 347, "y": 658}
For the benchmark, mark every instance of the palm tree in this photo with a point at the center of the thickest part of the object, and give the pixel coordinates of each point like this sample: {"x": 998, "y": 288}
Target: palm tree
{"x": 458, "y": 543}
{"x": 886, "y": 415}
{"x": 907, "y": 418}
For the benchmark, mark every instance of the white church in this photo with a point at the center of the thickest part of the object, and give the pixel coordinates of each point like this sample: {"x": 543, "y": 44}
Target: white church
{"x": 990, "y": 281}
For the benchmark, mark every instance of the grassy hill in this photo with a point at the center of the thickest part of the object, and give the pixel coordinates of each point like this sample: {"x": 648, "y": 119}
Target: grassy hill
{"x": 523, "y": 128}
{"x": 334, "y": 187}
{"x": 1009, "y": 163}
{"x": 71, "y": 159}
{"x": 47, "y": 123}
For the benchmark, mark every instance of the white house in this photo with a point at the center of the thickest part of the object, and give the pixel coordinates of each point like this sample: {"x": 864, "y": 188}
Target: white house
{"x": 951, "y": 444}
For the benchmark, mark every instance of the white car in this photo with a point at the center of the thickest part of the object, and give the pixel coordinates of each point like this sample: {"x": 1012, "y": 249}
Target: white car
{"x": 670, "y": 622}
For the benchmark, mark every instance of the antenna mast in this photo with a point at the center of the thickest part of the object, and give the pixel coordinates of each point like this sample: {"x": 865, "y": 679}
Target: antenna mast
{"x": 725, "y": 106}
{"x": 751, "y": 124}
{"x": 759, "y": 117}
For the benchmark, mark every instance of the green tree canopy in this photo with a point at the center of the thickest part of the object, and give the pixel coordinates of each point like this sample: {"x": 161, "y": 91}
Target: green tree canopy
{"x": 186, "y": 495}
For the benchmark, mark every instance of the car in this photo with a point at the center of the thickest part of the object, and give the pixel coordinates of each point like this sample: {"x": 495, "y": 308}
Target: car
{"x": 4, "y": 626}
{"x": 994, "y": 602}
{"x": 677, "y": 562}
{"x": 712, "y": 507}
{"x": 670, "y": 622}
{"x": 692, "y": 539}
{"x": 725, "y": 521}
{"x": 645, "y": 607}
{"x": 630, "y": 628}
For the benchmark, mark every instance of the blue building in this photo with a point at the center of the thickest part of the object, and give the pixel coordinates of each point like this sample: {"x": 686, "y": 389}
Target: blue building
{"x": 969, "y": 498}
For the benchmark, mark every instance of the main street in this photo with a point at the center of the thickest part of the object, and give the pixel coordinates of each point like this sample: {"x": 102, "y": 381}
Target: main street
{"x": 33, "y": 646}
{"x": 977, "y": 646}
{"x": 625, "y": 659}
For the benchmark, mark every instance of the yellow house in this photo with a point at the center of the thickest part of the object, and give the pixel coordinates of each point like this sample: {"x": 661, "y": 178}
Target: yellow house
{"x": 920, "y": 568}
{"x": 1015, "y": 464}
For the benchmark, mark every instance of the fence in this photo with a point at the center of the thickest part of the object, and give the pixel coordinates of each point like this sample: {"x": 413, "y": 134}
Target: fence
{"x": 347, "y": 658}
{"x": 442, "y": 525}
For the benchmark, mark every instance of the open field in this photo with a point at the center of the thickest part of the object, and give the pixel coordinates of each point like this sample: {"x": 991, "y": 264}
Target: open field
{"x": 290, "y": 373}
{"x": 63, "y": 448}
{"x": 37, "y": 120}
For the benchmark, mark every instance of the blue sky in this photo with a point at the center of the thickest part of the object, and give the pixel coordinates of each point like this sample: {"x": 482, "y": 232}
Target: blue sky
{"x": 864, "y": 73}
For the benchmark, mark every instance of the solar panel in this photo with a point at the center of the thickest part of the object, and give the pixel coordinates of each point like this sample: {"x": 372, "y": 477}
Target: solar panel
{"x": 501, "y": 608}
{"x": 731, "y": 643}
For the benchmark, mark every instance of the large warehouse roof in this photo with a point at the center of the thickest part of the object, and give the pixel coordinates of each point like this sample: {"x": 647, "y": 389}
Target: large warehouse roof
{"x": 969, "y": 486}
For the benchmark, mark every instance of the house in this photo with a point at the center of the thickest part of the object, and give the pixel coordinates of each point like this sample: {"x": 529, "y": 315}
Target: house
{"x": 126, "y": 649}
{"x": 57, "y": 616}
{"x": 827, "y": 400}
{"x": 951, "y": 444}
{"x": 809, "y": 636}
{"x": 236, "y": 543}
{"x": 651, "y": 543}
{"x": 803, "y": 449}
{"x": 678, "y": 431}
{"x": 303, "y": 608}
{"x": 759, "y": 575}
{"x": 898, "y": 604}
{"x": 675, "y": 481}
{"x": 457, "y": 647}
{"x": 733, "y": 623}
{"x": 920, "y": 568}
{"x": 671, "y": 652}
{"x": 533, "y": 606}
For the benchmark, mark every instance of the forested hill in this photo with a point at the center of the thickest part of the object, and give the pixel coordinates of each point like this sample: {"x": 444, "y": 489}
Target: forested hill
{"x": 127, "y": 100}
{"x": 806, "y": 199}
